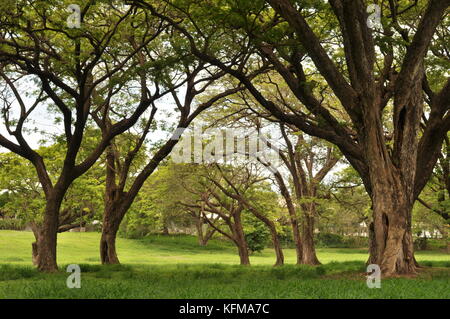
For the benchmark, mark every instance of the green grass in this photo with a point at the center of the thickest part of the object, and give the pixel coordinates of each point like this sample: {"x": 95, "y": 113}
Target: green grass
{"x": 176, "y": 267}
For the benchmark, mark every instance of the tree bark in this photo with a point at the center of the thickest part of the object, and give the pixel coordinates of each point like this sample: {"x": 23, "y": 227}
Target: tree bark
{"x": 112, "y": 215}
{"x": 292, "y": 217}
{"x": 389, "y": 170}
{"x": 273, "y": 231}
{"x": 372, "y": 245}
{"x": 34, "y": 254}
{"x": 275, "y": 239}
{"x": 297, "y": 240}
{"x": 240, "y": 241}
{"x": 393, "y": 249}
{"x": 309, "y": 256}
{"x": 34, "y": 251}
{"x": 108, "y": 252}
{"x": 277, "y": 247}
{"x": 200, "y": 236}
{"x": 45, "y": 245}
{"x": 243, "y": 252}
{"x": 110, "y": 227}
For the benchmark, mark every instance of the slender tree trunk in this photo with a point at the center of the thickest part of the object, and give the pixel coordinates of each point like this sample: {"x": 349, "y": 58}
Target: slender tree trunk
{"x": 240, "y": 241}
{"x": 277, "y": 247}
{"x": 243, "y": 252}
{"x": 273, "y": 231}
{"x": 309, "y": 256}
{"x": 111, "y": 223}
{"x": 292, "y": 217}
{"x": 200, "y": 236}
{"x": 297, "y": 241}
{"x": 295, "y": 230}
{"x": 34, "y": 251}
{"x": 204, "y": 242}
{"x": 165, "y": 230}
{"x": 113, "y": 214}
{"x": 208, "y": 236}
{"x": 275, "y": 240}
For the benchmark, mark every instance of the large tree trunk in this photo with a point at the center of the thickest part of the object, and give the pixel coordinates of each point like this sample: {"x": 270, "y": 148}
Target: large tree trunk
{"x": 309, "y": 256}
{"x": 393, "y": 250}
{"x": 44, "y": 249}
{"x": 112, "y": 217}
{"x": 407, "y": 245}
{"x": 108, "y": 254}
{"x": 392, "y": 179}
{"x": 391, "y": 246}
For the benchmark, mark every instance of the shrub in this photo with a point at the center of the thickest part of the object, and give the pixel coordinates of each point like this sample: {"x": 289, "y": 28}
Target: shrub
{"x": 355, "y": 242}
{"x": 257, "y": 238}
{"x": 256, "y": 241}
{"x": 133, "y": 231}
{"x": 329, "y": 240}
{"x": 421, "y": 243}
{"x": 436, "y": 244}
{"x": 12, "y": 224}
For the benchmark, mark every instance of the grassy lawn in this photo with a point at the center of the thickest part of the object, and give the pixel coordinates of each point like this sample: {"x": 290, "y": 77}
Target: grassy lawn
{"x": 176, "y": 267}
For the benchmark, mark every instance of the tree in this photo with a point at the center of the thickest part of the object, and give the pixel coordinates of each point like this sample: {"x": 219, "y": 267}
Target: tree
{"x": 307, "y": 162}
{"x": 379, "y": 77}
{"x": 220, "y": 212}
{"x": 307, "y": 168}
{"x": 76, "y": 71}
{"x": 227, "y": 194}
{"x": 240, "y": 186}
{"x": 349, "y": 210}
{"x": 25, "y": 198}
{"x": 436, "y": 195}
{"x": 167, "y": 195}
{"x": 123, "y": 181}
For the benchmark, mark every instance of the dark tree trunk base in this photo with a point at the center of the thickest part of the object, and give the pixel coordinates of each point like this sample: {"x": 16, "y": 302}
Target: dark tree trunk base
{"x": 108, "y": 254}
